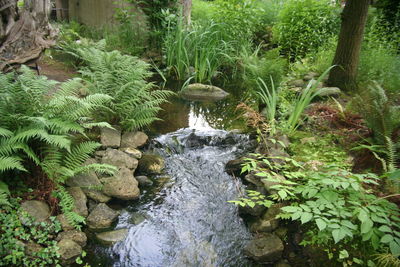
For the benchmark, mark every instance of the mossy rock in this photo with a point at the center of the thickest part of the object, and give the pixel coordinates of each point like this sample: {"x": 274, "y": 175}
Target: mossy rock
{"x": 198, "y": 91}
{"x": 151, "y": 164}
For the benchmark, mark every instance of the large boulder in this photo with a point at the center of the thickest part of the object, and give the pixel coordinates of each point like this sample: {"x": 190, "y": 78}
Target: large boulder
{"x": 110, "y": 137}
{"x": 74, "y": 235}
{"x": 101, "y": 217}
{"x": 151, "y": 164}
{"x": 133, "y": 139}
{"x": 112, "y": 237}
{"x": 39, "y": 210}
{"x": 265, "y": 249}
{"x": 198, "y": 91}
{"x": 122, "y": 186}
{"x": 119, "y": 159}
{"x": 79, "y": 200}
{"x": 68, "y": 250}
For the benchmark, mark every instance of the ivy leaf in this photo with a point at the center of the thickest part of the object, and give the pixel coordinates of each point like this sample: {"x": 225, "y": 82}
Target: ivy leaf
{"x": 306, "y": 217}
{"x": 321, "y": 224}
{"x": 366, "y": 226}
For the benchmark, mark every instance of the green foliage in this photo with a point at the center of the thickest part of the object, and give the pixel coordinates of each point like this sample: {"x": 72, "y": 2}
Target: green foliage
{"x": 67, "y": 205}
{"x": 269, "y": 65}
{"x": 305, "y": 25}
{"x": 134, "y": 104}
{"x": 269, "y": 97}
{"x": 198, "y": 51}
{"x": 338, "y": 213}
{"x": 382, "y": 116}
{"x": 301, "y": 103}
{"x": 15, "y": 237}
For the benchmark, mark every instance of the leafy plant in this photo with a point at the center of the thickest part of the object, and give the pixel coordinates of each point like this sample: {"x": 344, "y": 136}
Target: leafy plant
{"x": 198, "y": 51}
{"x": 301, "y": 103}
{"x": 134, "y": 104}
{"x": 304, "y": 25}
{"x": 382, "y": 116}
{"x": 269, "y": 97}
{"x": 16, "y": 238}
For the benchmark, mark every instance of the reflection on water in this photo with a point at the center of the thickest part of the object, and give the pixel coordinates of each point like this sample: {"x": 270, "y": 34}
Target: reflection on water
{"x": 179, "y": 113}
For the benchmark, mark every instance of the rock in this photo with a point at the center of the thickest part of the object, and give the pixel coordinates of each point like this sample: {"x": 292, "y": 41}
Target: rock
{"x": 88, "y": 180}
{"x": 101, "y": 217}
{"x": 281, "y": 232}
{"x": 194, "y": 140}
{"x": 112, "y": 237}
{"x": 99, "y": 153}
{"x": 39, "y": 210}
{"x": 253, "y": 179}
{"x": 133, "y": 152}
{"x": 122, "y": 186}
{"x": 297, "y": 83}
{"x": 144, "y": 181}
{"x": 32, "y": 248}
{"x": 282, "y": 263}
{"x": 268, "y": 222}
{"x": 256, "y": 211}
{"x": 65, "y": 225}
{"x": 151, "y": 164}
{"x": 314, "y": 83}
{"x": 297, "y": 90}
{"x": 133, "y": 139}
{"x": 234, "y": 167}
{"x": 79, "y": 200}
{"x": 68, "y": 250}
{"x": 198, "y": 91}
{"x": 309, "y": 76}
{"x": 268, "y": 183}
{"x": 74, "y": 235}
{"x": 119, "y": 159}
{"x": 265, "y": 249}
{"x": 137, "y": 218}
{"x": 110, "y": 137}
{"x": 329, "y": 91}
{"x": 96, "y": 195}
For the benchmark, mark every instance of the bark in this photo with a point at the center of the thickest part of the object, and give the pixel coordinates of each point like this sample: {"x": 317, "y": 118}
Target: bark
{"x": 187, "y": 10}
{"x": 24, "y": 33}
{"x": 354, "y": 17}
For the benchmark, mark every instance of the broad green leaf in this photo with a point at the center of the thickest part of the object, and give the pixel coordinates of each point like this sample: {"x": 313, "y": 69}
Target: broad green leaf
{"x": 343, "y": 254}
{"x": 386, "y": 238}
{"x": 290, "y": 209}
{"x": 385, "y": 228}
{"x": 321, "y": 224}
{"x": 366, "y": 226}
{"x": 394, "y": 248}
{"x": 306, "y": 217}
{"x": 363, "y": 216}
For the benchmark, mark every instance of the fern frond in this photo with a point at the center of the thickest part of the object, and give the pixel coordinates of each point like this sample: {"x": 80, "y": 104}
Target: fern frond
{"x": 79, "y": 154}
{"x": 10, "y": 163}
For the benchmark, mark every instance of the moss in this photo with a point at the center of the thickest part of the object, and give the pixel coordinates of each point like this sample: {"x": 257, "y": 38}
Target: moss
{"x": 306, "y": 147}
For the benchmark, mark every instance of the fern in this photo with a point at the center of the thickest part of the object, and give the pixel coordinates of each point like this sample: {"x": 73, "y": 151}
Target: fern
{"x": 67, "y": 205}
{"x": 135, "y": 105}
{"x": 382, "y": 116}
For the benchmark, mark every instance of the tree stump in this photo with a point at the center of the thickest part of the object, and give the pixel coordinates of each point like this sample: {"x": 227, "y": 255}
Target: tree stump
{"x": 25, "y": 32}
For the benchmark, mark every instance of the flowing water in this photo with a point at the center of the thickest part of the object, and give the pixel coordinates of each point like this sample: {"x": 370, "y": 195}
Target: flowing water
{"x": 187, "y": 220}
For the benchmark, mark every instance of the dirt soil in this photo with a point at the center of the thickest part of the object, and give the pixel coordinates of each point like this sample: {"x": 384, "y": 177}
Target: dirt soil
{"x": 56, "y": 70}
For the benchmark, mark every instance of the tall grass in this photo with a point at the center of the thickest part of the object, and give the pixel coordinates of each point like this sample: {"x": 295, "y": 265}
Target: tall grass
{"x": 198, "y": 51}
{"x": 269, "y": 97}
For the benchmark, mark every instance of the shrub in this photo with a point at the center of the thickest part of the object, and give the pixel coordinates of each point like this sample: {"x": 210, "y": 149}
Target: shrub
{"x": 305, "y": 25}
{"x": 270, "y": 65}
{"x": 134, "y": 104}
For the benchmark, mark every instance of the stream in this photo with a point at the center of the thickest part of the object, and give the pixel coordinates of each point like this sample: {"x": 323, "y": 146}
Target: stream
{"x": 184, "y": 219}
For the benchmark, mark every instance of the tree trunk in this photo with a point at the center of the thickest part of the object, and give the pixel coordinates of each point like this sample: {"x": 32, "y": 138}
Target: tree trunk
{"x": 187, "y": 10}
{"x": 354, "y": 17}
{"x": 24, "y": 33}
